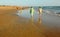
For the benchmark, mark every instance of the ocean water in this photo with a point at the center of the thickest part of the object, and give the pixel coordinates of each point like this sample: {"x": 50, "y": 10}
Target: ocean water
{"x": 46, "y": 9}
{"x": 53, "y": 9}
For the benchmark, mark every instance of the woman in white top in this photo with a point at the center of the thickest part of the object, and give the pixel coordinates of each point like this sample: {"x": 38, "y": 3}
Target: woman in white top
{"x": 40, "y": 10}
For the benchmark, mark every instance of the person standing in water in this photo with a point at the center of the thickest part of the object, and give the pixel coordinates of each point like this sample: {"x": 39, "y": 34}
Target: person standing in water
{"x": 32, "y": 11}
{"x": 40, "y": 10}
{"x": 40, "y": 14}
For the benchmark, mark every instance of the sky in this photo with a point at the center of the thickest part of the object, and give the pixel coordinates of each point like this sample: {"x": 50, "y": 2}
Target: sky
{"x": 31, "y": 2}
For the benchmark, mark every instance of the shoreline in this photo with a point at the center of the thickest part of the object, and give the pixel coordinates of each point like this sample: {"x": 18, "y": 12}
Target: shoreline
{"x": 13, "y": 7}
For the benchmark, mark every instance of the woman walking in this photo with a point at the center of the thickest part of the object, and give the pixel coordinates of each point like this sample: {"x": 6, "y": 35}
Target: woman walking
{"x": 40, "y": 11}
{"x": 32, "y": 11}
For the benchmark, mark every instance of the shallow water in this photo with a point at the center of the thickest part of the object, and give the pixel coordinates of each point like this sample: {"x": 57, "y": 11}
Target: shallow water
{"x": 49, "y": 21}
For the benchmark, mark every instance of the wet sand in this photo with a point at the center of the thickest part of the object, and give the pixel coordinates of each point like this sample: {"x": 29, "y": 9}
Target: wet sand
{"x": 12, "y": 25}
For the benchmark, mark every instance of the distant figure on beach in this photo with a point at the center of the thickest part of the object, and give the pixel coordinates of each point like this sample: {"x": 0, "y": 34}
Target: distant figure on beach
{"x": 40, "y": 10}
{"x": 32, "y": 11}
{"x": 19, "y": 11}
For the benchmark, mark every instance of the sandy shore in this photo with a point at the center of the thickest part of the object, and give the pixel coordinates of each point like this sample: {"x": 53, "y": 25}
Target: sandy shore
{"x": 12, "y": 25}
{"x": 7, "y": 7}
{"x": 13, "y": 7}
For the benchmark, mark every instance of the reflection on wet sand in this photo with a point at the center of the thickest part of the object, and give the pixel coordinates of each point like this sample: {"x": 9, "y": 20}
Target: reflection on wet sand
{"x": 40, "y": 19}
{"x": 32, "y": 19}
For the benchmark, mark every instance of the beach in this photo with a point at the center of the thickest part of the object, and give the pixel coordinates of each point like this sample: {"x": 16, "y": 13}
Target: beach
{"x": 13, "y": 24}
